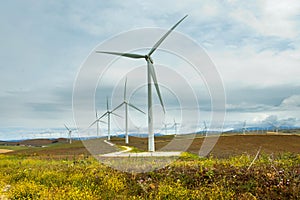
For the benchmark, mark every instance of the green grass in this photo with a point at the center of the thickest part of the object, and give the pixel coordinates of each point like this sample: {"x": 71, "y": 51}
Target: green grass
{"x": 136, "y": 150}
{"x": 74, "y": 144}
{"x": 189, "y": 177}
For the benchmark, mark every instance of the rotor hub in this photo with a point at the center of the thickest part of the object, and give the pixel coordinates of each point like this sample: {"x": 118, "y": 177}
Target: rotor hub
{"x": 148, "y": 58}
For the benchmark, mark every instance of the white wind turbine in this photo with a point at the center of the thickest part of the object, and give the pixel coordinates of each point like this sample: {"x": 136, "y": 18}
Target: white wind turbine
{"x": 166, "y": 127}
{"x": 97, "y": 122}
{"x": 276, "y": 126}
{"x": 205, "y": 128}
{"x": 150, "y": 75}
{"x": 69, "y": 134}
{"x": 175, "y": 126}
{"x": 126, "y": 103}
{"x": 138, "y": 130}
{"x": 108, "y": 113}
{"x": 244, "y": 128}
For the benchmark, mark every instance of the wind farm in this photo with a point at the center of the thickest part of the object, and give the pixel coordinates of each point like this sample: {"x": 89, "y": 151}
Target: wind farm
{"x": 150, "y": 100}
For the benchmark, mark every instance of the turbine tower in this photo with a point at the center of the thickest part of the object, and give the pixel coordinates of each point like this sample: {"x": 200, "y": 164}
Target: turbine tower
{"x": 205, "y": 128}
{"x": 175, "y": 127}
{"x": 138, "y": 130}
{"x": 69, "y": 134}
{"x": 97, "y": 124}
{"x": 244, "y": 127}
{"x": 166, "y": 127}
{"x": 126, "y": 103}
{"x": 150, "y": 76}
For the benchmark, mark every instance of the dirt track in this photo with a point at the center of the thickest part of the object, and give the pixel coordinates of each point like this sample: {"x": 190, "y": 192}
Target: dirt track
{"x": 5, "y": 150}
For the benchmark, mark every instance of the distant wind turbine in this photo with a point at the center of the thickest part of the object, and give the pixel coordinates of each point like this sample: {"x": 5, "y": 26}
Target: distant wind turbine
{"x": 175, "y": 127}
{"x": 276, "y": 126}
{"x": 166, "y": 127}
{"x": 108, "y": 113}
{"x": 150, "y": 76}
{"x": 205, "y": 128}
{"x": 97, "y": 122}
{"x": 244, "y": 128}
{"x": 138, "y": 130}
{"x": 126, "y": 103}
{"x": 69, "y": 134}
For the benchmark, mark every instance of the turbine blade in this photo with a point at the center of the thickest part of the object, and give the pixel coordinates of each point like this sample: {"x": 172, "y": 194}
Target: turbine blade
{"x": 67, "y": 127}
{"x": 93, "y": 123}
{"x": 116, "y": 114}
{"x": 125, "y": 89}
{"x": 103, "y": 115}
{"x": 153, "y": 75}
{"x": 136, "y": 108}
{"x": 117, "y": 107}
{"x": 98, "y": 120}
{"x": 107, "y": 103}
{"x": 129, "y": 55}
{"x": 164, "y": 37}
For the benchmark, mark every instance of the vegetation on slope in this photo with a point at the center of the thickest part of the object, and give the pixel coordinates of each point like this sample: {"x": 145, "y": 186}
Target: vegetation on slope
{"x": 190, "y": 177}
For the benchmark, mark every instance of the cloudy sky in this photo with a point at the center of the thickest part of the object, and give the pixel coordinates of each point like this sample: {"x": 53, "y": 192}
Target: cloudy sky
{"x": 255, "y": 47}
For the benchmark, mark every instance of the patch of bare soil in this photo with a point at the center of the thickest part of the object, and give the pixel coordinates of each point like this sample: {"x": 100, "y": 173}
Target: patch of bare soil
{"x": 230, "y": 145}
{"x": 5, "y": 150}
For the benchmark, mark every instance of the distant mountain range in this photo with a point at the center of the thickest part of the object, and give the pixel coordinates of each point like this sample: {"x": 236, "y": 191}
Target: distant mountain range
{"x": 19, "y": 134}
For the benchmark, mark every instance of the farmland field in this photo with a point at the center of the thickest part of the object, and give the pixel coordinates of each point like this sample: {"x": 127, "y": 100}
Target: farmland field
{"x": 232, "y": 171}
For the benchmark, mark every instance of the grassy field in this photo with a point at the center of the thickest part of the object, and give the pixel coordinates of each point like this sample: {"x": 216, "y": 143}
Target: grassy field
{"x": 68, "y": 171}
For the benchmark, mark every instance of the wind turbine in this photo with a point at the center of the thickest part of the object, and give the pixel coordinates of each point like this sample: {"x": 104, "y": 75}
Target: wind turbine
{"x": 166, "y": 127}
{"x": 108, "y": 113}
{"x": 126, "y": 103}
{"x": 138, "y": 130}
{"x": 244, "y": 127}
{"x": 69, "y": 134}
{"x": 97, "y": 122}
{"x": 175, "y": 126}
{"x": 150, "y": 76}
{"x": 205, "y": 128}
{"x": 276, "y": 126}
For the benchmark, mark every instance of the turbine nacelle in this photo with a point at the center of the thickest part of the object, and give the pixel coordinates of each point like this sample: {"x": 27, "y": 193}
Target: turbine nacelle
{"x": 148, "y": 58}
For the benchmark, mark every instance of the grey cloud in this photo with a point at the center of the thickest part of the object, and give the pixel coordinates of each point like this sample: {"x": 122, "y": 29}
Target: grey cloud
{"x": 275, "y": 121}
{"x": 270, "y": 96}
{"x": 243, "y": 107}
{"x": 291, "y": 102}
{"x": 47, "y": 109}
